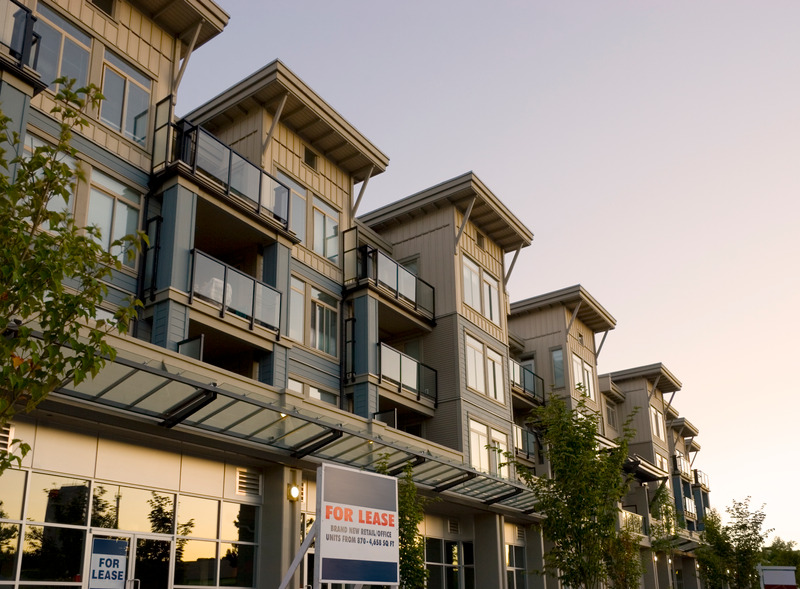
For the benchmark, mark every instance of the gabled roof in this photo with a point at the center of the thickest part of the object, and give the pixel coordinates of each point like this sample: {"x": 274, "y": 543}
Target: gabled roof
{"x": 667, "y": 382}
{"x": 591, "y": 313}
{"x": 305, "y": 112}
{"x": 181, "y": 17}
{"x": 488, "y": 213}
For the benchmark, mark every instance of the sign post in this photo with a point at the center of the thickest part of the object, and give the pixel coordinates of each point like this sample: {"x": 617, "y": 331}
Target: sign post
{"x": 357, "y": 538}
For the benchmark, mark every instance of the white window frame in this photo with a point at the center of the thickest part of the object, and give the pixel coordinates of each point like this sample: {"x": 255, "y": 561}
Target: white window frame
{"x": 657, "y": 423}
{"x": 472, "y": 284}
{"x": 69, "y": 34}
{"x": 132, "y": 80}
{"x": 484, "y": 368}
{"x": 488, "y": 447}
{"x": 481, "y": 290}
{"x": 325, "y": 232}
{"x": 297, "y": 298}
{"x": 329, "y": 307}
{"x": 103, "y": 185}
{"x": 583, "y": 373}
{"x": 494, "y": 376}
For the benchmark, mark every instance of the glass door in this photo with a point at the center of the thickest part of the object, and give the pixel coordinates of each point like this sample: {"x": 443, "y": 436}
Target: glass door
{"x": 128, "y": 562}
{"x": 151, "y": 563}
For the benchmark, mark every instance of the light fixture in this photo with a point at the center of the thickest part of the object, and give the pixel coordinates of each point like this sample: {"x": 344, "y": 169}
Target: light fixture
{"x": 292, "y": 492}
{"x": 669, "y": 560}
{"x": 655, "y": 557}
{"x": 283, "y": 415}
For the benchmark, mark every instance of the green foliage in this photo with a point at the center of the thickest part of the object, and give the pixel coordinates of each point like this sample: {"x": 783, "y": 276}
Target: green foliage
{"x": 624, "y": 560}
{"x": 783, "y": 553}
{"x": 52, "y": 272}
{"x": 581, "y": 500}
{"x": 732, "y": 552}
{"x": 411, "y": 512}
{"x": 664, "y": 527}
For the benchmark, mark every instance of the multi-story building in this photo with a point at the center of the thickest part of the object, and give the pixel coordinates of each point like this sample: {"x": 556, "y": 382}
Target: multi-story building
{"x": 280, "y": 330}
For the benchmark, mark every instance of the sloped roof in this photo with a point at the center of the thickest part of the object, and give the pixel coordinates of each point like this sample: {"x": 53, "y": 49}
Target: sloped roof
{"x": 591, "y": 313}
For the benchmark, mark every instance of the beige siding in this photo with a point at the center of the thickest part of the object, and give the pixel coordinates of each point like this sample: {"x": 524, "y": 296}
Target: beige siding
{"x": 139, "y": 41}
{"x": 542, "y": 331}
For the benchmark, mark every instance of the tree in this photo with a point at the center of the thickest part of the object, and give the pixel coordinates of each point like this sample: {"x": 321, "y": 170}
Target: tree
{"x": 664, "y": 527}
{"x": 732, "y": 552}
{"x": 624, "y": 560}
{"x": 580, "y": 502}
{"x": 783, "y": 553}
{"x": 52, "y": 272}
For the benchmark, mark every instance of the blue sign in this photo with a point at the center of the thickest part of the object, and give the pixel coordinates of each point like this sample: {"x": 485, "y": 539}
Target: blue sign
{"x": 109, "y": 566}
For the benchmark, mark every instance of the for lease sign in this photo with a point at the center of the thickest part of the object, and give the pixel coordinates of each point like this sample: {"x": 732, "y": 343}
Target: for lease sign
{"x": 357, "y": 541}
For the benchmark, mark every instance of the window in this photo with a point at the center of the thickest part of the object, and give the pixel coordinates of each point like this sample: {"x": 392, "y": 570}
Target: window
{"x": 297, "y": 309}
{"x": 515, "y": 566}
{"x": 481, "y": 291}
{"x": 63, "y": 49}
{"x": 583, "y": 375}
{"x": 323, "y": 321}
{"x": 107, "y": 6}
{"x": 56, "y": 203}
{"x": 325, "y": 396}
{"x": 326, "y": 231}
{"x": 114, "y": 209}
{"x": 297, "y": 204}
{"x": 487, "y": 449}
{"x": 309, "y": 158}
{"x": 661, "y": 462}
{"x": 451, "y": 564}
{"x": 127, "y": 99}
{"x": 657, "y": 422}
{"x": 557, "y": 359}
{"x": 484, "y": 369}
{"x": 611, "y": 414}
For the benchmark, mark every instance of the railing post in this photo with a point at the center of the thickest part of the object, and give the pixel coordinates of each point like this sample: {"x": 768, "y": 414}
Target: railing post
{"x": 27, "y": 41}
{"x": 230, "y": 169}
{"x": 224, "y": 289}
{"x": 192, "y": 253}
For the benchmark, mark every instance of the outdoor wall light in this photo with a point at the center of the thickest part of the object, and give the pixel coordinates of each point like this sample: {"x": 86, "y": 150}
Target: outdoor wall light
{"x": 292, "y": 492}
{"x": 655, "y": 557}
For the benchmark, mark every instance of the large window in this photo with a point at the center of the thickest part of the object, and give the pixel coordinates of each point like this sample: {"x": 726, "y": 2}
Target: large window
{"x": 515, "y": 566}
{"x": 451, "y": 564}
{"x": 322, "y": 330}
{"x": 487, "y": 449}
{"x": 611, "y": 414}
{"x": 557, "y": 361}
{"x": 484, "y": 369}
{"x": 57, "y": 203}
{"x": 297, "y": 309}
{"x": 481, "y": 291}
{"x": 326, "y": 230}
{"x": 63, "y": 50}
{"x": 114, "y": 209}
{"x": 127, "y": 99}
{"x": 583, "y": 376}
{"x": 657, "y": 420}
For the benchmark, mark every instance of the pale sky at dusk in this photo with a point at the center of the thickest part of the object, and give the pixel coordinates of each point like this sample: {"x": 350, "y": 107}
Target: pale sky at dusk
{"x": 652, "y": 147}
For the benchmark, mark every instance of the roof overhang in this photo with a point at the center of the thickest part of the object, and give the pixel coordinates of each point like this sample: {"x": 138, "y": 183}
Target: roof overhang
{"x": 684, "y": 427}
{"x": 148, "y": 384}
{"x": 610, "y": 390}
{"x": 667, "y": 382}
{"x": 591, "y": 313}
{"x": 181, "y": 17}
{"x": 488, "y": 213}
{"x": 305, "y": 113}
{"x": 643, "y": 470}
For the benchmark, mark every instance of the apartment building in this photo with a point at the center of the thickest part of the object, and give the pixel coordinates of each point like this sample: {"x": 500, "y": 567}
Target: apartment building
{"x": 282, "y": 330}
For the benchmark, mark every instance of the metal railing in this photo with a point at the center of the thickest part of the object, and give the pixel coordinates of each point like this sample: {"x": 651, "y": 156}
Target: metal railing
{"x": 524, "y": 442}
{"x": 16, "y": 33}
{"x": 682, "y": 465}
{"x": 217, "y": 162}
{"x": 234, "y": 292}
{"x": 701, "y": 478}
{"x": 689, "y": 507}
{"x": 367, "y": 263}
{"x": 525, "y": 379}
{"x": 632, "y": 522}
{"x": 408, "y": 374}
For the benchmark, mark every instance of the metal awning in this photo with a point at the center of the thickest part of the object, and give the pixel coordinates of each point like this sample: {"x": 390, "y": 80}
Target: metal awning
{"x": 177, "y": 391}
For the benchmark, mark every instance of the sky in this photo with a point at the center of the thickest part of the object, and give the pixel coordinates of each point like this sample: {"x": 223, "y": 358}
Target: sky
{"x": 652, "y": 147}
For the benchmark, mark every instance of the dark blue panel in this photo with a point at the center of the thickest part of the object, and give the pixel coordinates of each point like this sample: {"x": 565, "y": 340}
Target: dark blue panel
{"x": 359, "y": 571}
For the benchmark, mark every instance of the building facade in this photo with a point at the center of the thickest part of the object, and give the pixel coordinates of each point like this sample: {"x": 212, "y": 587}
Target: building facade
{"x": 281, "y": 330}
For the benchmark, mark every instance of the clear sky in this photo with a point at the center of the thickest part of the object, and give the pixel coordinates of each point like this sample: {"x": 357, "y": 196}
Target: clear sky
{"x": 651, "y": 146}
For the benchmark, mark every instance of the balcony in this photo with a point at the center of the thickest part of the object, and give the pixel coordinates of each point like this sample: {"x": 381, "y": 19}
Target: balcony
{"x": 689, "y": 507}
{"x": 407, "y": 374}
{"x": 633, "y": 522}
{"x": 242, "y": 295}
{"x": 16, "y": 33}
{"x": 366, "y": 263}
{"x": 701, "y": 478}
{"x": 223, "y": 168}
{"x": 524, "y": 443}
{"x": 682, "y": 466}
{"x": 528, "y": 382}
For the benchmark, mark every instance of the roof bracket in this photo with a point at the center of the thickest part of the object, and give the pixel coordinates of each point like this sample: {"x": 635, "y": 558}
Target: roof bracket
{"x": 600, "y": 347}
{"x": 322, "y": 440}
{"x": 189, "y": 407}
{"x": 574, "y": 315}
{"x": 464, "y": 222}
{"x": 511, "y": 267}
{"x": 189, "y": 50}
{"x": 275, "y": 119}
{"x": 508, "y": 495}
{"x": 363, "y": 188}
{"x": 455, "y": 482}
{"x": 655, "y": 386}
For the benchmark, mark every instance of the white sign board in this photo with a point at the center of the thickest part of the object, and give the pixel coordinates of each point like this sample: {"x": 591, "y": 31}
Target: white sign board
{"x": 358, "y": 539}
{"x": 109, "y": 564}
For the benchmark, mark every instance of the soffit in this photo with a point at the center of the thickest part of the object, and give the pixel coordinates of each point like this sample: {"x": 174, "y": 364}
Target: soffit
{"x": 181, "y": 17}
{"x": 305, "y": 113}
{"x": 591, "y": 313}
{"x": 667, "y": 382}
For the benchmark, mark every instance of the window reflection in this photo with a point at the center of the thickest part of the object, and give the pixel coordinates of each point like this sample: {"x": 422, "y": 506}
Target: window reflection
{"x": 9, "y": 545}
{"x": 52, "y": 554}
{"x": 236, "y": 565}
{"x": 58, "y": 500}
{"x": 128, "y": 508}
{"x": 12, "y": 489}
{"x": 201, "y": 514}
{"x": 195, "y": 562}
{"x": 238, "y": 522}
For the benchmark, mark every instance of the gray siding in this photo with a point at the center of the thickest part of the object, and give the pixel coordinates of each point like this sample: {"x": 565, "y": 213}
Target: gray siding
{"x": 170, "y": 324}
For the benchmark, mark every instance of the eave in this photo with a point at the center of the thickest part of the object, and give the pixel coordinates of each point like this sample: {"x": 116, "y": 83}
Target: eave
{"x": 667, "y": 382}
{"x": 591, "y": 313}
{"x": 180, "y": 18}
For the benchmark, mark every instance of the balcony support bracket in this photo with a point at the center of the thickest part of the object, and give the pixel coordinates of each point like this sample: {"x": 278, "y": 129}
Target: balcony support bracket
{"x": 600, "y": 347}
{"x": 574, "y": 315}
{"x": 511, "y": 267}
{"x": 275, "y": 119}
{"x": 464, "y": 222}
{"x": 185, "y": 62}
{"x": 363, "y": 189}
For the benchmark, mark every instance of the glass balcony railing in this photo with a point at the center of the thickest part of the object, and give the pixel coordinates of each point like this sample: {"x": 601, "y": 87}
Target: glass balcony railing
{"x": 408, "y": 374}
{"x": 367, "y": 263}
{"x": 234, "y": 292}
{"x": 16, "y": 33}
{"x": 525, "y": 379}
{"x": 682, "y": 465}
{"x": 632, "y": 522}
{"x": 689, "y": 508}
{"x": 218, "y": 163}
{"x": 524, "y": 442}
{"x": 701, "y": 478}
